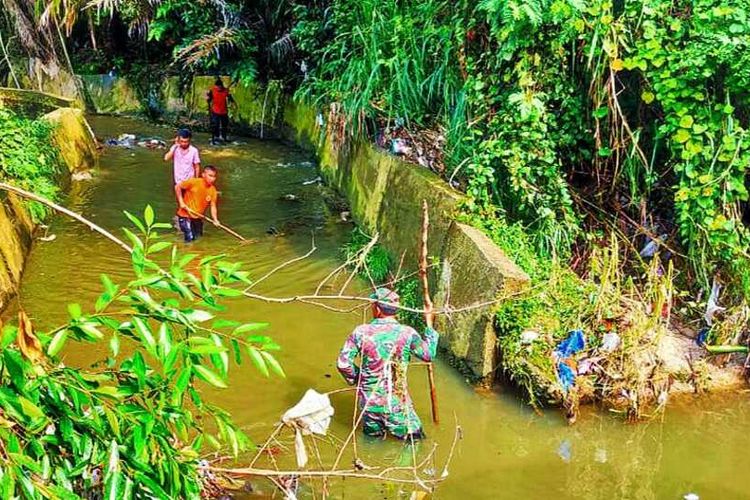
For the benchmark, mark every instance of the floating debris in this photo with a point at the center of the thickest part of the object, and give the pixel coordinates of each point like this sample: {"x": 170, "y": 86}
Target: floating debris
{"x": 84, "y": 175}
{"x": 317, "y": 180}
{"x": 290, "y": 197}
{"x": 50, "y": 237}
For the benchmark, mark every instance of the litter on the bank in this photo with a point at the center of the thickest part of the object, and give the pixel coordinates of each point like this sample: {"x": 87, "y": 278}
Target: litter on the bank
{"x": 528, "y": 337}
{"x": 713, "y": 307}
{"x": 610, "y": 341}
{"x": 651, "y": 246}
{"x": 566, "y": 367}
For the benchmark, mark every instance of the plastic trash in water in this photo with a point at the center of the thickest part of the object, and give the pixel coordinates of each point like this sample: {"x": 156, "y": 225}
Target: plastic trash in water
{"x": 600, "y": 455}
{"x": 691, "y": 496}
{"x": 566, "y": 375}
{"x": 565, "y": 450}
{"x": 312, "y": 181}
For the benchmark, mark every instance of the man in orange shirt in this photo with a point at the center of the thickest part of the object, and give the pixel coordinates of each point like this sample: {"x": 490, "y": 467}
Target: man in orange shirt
{"x": 218, "y": 98}
{"x": 193, "y": 196}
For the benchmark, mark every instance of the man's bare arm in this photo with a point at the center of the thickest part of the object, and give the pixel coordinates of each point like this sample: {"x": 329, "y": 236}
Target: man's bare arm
{"x": 214, "y": 212}
{"x": 178, "y": 194}
{"x": 197, "y": 169}
{"x": 170, "y": 154}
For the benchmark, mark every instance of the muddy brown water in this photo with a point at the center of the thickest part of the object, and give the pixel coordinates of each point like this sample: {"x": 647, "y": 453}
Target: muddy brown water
{"x": 507, "y": 450}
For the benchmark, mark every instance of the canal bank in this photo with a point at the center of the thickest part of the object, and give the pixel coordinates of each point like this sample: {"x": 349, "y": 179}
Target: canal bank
{"x": 72, "y": 137}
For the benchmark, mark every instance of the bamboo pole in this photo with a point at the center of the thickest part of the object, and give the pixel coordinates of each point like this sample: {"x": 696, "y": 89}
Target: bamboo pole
{"x": 428, "y": 307}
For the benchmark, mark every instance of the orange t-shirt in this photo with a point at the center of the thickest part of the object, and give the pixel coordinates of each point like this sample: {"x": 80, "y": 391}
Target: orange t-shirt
{"x": 219, "y": 96}
{"x": 197, "y": 195}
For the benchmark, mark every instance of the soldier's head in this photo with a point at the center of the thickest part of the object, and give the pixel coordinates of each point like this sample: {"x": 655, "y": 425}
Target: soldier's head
{"x": 386, "y": 304}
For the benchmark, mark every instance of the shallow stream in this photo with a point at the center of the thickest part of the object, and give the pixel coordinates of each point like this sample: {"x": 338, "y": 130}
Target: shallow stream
{"x": 507, "y": 451}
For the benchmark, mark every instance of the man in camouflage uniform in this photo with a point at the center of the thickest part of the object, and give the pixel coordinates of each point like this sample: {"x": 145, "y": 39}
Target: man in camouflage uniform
{"x": 386, "y": 347}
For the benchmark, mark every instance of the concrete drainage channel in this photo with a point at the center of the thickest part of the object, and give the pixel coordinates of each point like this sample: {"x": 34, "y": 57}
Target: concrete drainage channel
{"x": 385, "y": 194}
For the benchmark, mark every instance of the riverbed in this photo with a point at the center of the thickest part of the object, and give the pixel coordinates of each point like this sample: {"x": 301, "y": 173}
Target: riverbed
{"x": 507, "y": 450}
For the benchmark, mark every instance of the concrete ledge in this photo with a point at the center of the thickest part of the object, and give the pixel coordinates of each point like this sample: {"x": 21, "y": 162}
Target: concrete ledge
{"x": 473, "y": 270}
{"x": 73, "y": 138}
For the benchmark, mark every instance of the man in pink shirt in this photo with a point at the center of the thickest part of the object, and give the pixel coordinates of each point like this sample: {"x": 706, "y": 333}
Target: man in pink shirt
{"x": 186, "y": 160}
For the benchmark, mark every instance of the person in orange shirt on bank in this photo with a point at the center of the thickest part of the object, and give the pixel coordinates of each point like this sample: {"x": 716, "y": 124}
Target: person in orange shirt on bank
{"x": 193, "y": 197}
{"x": 218, "y": 98}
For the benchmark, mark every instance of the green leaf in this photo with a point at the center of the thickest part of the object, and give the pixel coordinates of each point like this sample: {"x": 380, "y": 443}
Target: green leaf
{"x": 148, "y": 216}
{"x": 601, "y": 112}
{"x": 237, "y": 351}
{"x": 211, "y": 258}
{"x": 30, "y": 409}
{"x": 57, "y": 343}
{"x": 159, "y": 246}
{"x": 165, "y": 339}
{"x": 136, "y": 222}
{"x": 144, "y": 332}
{"x": 75, "y": 311}
{"x": 686, "y": 121}
{"x": 681, "y": 136}
{"x": 648, "y": 97}
{"x": 224, "y": 323}
{"x": 114, "y": 344}
{"x": 91, "y": 330}
{"x": 109, "y": 286}
{"x": 228, "y": 292}
{"x": 273, "y": 363}
{"x": 249, "y": 327}
{"x": 135, "y": 240}
{"x": 209, "y": 376}
{"x": 207, "y": 349}
{"x": 185, "y": 259}
{"x": 258, "y": 360}
{"x": 199, "y": 316}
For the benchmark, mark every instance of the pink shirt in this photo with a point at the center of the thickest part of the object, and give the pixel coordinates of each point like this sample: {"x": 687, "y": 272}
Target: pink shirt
{"x": 184, "y": 159}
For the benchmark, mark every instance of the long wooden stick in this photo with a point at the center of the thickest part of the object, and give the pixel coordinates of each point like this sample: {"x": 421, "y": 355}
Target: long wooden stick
{"x": 428, "y": 315}
{"x": 54, "y": 206}
{"x": 218, "y": 224}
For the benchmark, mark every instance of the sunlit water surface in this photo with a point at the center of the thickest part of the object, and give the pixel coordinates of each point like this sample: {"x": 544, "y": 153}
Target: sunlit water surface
{"x": 507, "y": 450}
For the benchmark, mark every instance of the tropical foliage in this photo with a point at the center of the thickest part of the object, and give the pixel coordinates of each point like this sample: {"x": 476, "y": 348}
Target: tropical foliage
{"x": 29, "y": 158}
{"x": 134, "y": 424}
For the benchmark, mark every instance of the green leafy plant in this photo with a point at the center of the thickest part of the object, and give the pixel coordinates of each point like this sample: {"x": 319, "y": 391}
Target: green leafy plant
{"x": 28, "y": 158}
{"x": 133, "y": 424}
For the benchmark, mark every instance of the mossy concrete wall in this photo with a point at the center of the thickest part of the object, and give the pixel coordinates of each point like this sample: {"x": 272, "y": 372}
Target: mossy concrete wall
{"x": 386, "y": 195}
{"x": 77, "y": 151}
{"x": 109, "y": 94}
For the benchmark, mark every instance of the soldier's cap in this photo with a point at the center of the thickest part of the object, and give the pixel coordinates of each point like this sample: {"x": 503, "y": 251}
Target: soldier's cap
{"x": 386, "y": 299}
